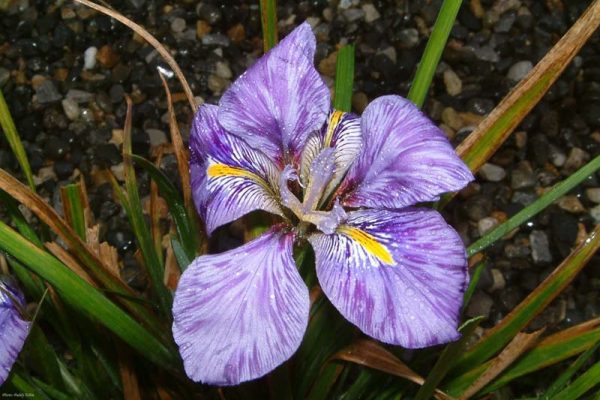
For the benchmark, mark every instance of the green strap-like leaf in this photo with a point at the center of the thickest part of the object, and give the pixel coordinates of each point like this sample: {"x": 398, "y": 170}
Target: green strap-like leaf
{"x": 344, "y": 78}
{"x": 520, "y": 316}
{"x": 268, "y": 17}
{"x": 73, "y": 206}
{"x": 133, "y": 206}
{"x": 186, "y": 229}
{"x": 559, "y": 190}
{"x": 433, "y": 51}
{"x": 12, "y": 136}
{"x": 80, "y": 295}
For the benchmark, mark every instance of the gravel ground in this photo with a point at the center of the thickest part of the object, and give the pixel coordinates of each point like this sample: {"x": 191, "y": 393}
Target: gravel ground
{"x": 64, "y": 70}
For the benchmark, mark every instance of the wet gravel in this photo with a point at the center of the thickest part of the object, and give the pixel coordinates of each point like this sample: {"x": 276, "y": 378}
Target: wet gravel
{"x": 64, "y": 70}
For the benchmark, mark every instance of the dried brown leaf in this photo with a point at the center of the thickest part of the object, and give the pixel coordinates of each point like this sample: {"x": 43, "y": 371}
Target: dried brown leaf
{"x": 519, "y": 345}
{"x": 517, "y": 104}
{"x": 69, "y": 261}
{"x": 370, "y": 354}
{"x": 179, "y": 148}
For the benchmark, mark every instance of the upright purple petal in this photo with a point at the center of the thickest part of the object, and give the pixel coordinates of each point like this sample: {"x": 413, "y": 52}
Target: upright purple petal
{"x": 240, "y": 314}
{"x": 13, "y": 328}
{"x": 405, "y": 160}
{"x": 280, "y": 100}
{"x": 397, "y": 275}
{"x": 342, "y": 133}
{"x": 229, "y": 179}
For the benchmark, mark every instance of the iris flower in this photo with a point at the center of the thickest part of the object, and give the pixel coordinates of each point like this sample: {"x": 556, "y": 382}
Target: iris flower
{"x": 13, "y": 327}
{"x": 343, "y": 183}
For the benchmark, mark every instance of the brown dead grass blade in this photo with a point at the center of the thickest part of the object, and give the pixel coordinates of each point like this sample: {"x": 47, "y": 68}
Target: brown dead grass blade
{"x": 180, "y": 151}
{"x": 519, "y": 345}
{"x": 153, "y": 42}
{"x": 131, "y": 387}
{"x": 482, "y": 143}
{"x": 69, "y": 261}
{"x": 370, "y": 354}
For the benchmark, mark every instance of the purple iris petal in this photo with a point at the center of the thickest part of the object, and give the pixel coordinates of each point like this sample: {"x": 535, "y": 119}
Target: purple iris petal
{"x": 342, "y": 133}
{"x": 280, "y": 100}
{"x": 13, "y": 328}
{"x": 229, "y": 179}
{"x": 405, "y": 159}
{"x": 397, "y": 275}
{"x": 239, "y": 314}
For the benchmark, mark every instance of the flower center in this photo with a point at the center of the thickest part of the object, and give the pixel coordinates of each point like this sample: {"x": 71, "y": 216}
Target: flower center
{"x": 321, "y": 172}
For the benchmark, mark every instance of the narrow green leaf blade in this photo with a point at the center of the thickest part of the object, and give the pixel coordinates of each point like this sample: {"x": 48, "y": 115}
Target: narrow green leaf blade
{"x": 12, "y": 136}
{"x": 133, "y": 205}
{"x": 344, "y": 78}
{"x": 80, "y": 295}
{"x": 447, "y": 358}
{"x": 536, "y": 207}
{"x": 268, "y": 14}
{"x": 186, "y": 229}
{"x": 588, "y": 380}
{"x": 497, "y": 337}
{"x": 564, "y": 378}
{"x": 73, "y": 206}
{"x": 433, "y": 51}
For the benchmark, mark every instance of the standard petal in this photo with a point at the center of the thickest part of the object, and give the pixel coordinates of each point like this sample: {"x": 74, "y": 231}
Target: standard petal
{"x": 280, "y": 100}
{"x": 229, "y": 179}
{"x": 405, "y": 159}
{"x": 240, "y": 314}
{"x": 397, "y": 275}
{"x": 13, "y": 328}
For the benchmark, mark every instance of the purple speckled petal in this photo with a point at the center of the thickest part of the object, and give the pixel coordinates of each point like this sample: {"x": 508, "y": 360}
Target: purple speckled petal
{"x": 405, "y": 159}
{"x": 280, "y": 100}
{"x": 13, "y": 328}
{"x": 240, "y": 314}
{"x": 229, "y": 179}
{"x": 397, "y": 275}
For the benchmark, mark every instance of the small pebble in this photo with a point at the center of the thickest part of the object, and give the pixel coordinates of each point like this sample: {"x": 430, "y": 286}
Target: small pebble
{"x": 46, "y": 92}
{"x": 595, "y": 213}
{"x": 556, "y": 155}
{"x": 498, "y": 281}
{"x": 451, "y": 118}
{"x": 522, "y": 177}
{"x": 540, "y": 247}
{"x": 157, "y": 137}
{"x": 223, "y": 70}
{"x": 571, "y": 204}
{"x": 481, "y": 304}
{"x": 89, "y": 58}
{"x": 408, "y": 37}
{"x": 486, "y": 224}
{"x": 593, "y": 194}
{"x": 178, "y": 25}
{"x": 371, "y": 13}
{"x": 577, "y": 157}
{"x": 79, "y": 96}
{"x": 492, "y": 172}
{"x": 518, "y": 70}
{"x": 71, "y": 109}
{"x": 452, "y": 82}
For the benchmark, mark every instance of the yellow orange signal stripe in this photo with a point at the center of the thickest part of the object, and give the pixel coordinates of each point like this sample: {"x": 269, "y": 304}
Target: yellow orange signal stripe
{"x": 334, "y": 121}
{"x": 368, "y": 242}
{"x": 220, "y": 170}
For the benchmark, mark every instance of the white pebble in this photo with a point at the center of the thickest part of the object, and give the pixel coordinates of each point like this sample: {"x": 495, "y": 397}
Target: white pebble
{"x": 89, "y": 58}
